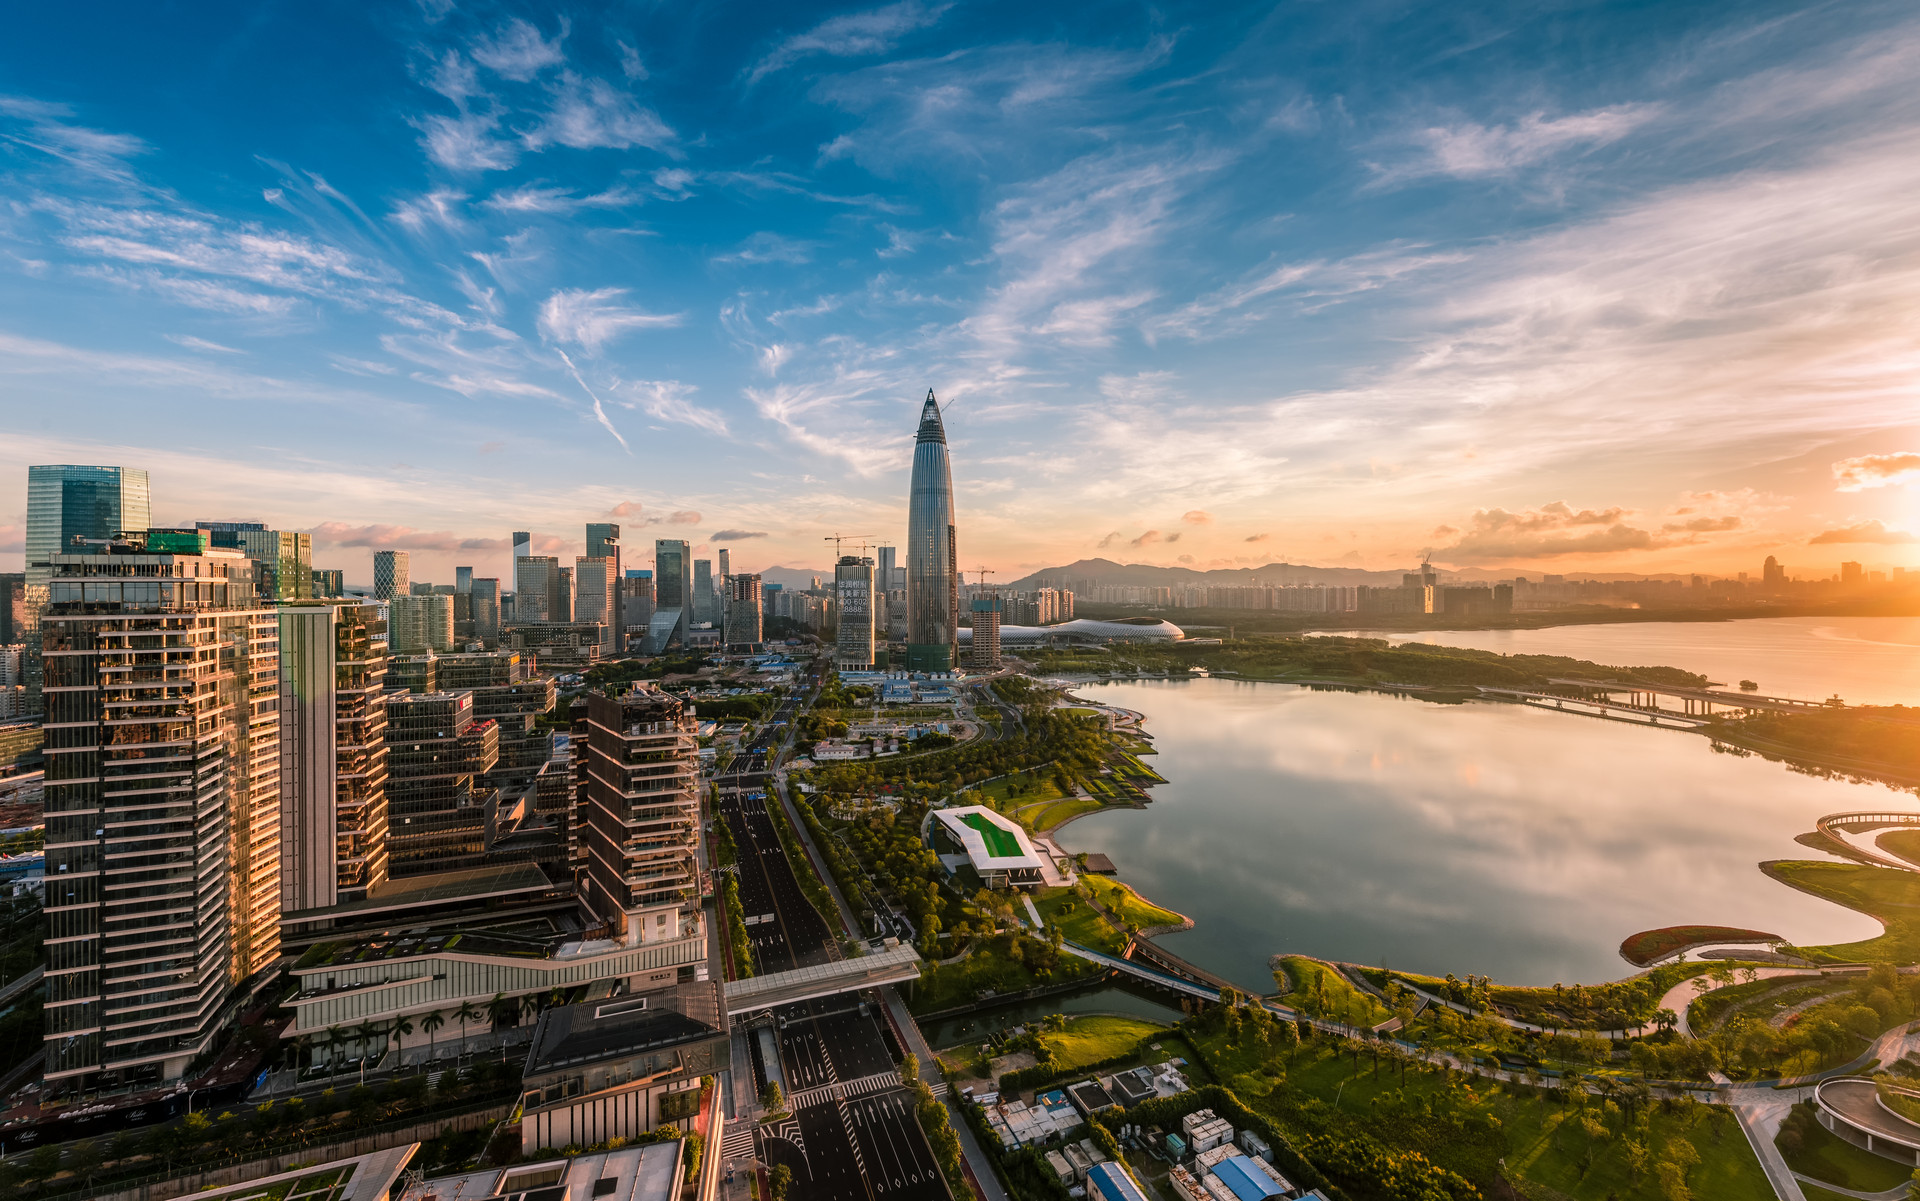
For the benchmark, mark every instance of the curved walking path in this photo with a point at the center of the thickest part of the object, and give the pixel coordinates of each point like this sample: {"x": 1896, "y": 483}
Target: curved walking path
{"x": 1683, "y": 994}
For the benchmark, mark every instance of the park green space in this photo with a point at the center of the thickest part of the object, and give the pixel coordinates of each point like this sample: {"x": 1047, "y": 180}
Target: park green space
{"x": 1097, "y": 1038}
{"x": 1128, "y": 906}
{"x": 1320, "y": 989}
{"x": 1578, "y": 1146}
{"x": 1650, "y": 946}
{"x": 1709, "y": 1010}
{"x": 1078, "y": 921}
{"x": 1904, "y": 844}
{"x": 1886, "y": 894}
{"x": 1048, "y": 814}
{"x": 1812, "y": 1150}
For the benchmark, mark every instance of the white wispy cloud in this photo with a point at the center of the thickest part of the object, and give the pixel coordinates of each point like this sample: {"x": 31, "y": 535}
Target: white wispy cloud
{"x": 592, "y": 114}
{"x": 1468, "y": 150}
{"x": 546, "y": 198}
{"x": 518, "y": 51}
{"x": 875, "y": 31}
{"x": 577, "y": 317}
{"x": 466, "y": 142}
{"x": 193, "y": 343}
{"x": 670, "y": 400}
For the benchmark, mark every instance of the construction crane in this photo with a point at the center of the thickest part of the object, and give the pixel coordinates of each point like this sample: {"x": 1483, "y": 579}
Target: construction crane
{"x": 864, "y": 543}
{"x": 983, "y": 573}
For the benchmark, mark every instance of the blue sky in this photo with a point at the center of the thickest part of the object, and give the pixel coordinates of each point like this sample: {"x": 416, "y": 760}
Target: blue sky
{"x": 1569, "y": 286}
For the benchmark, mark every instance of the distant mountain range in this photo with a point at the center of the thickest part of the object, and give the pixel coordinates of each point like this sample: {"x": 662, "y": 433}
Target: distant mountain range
{"x": 1106, "y": 571}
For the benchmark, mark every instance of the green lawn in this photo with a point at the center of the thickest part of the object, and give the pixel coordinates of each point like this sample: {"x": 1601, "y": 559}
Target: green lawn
{"x": 1049, "y": 814}
{"x": 1704, "y": 1013}
{"x": 1023, "y": 787}
{"x": 1128, "y": 905}
{"x": 1811, "y": 1149}
{"x": 1079, "y": 922}
{"x": 1097, "y": 1037}
{"x": 1880, "y": 892}
{"x": 1324, "y": 992}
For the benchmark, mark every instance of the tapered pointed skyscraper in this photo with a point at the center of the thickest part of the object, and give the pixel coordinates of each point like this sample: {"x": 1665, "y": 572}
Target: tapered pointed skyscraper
{"x": 933, "y": 577}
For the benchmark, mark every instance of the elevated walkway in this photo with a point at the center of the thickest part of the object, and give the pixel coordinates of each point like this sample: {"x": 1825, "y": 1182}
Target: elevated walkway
{"x": 895, "y": 965}
{"x": 1142, "y": 972}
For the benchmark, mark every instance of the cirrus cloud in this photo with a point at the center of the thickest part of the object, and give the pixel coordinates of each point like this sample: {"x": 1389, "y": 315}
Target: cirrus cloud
{"x": 591, "y": 319}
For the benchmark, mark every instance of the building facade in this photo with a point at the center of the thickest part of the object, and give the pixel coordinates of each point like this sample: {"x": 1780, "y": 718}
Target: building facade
{"x": 984, "y": 653}
{"x": 672, "y": 566}
{"x": 933, "y": 565}
{"x": 162, "y": 795}
{"x": 534, "y": 583}
{"x": 485, "y": 603}
{"x": 392, "y": 574}
{"x": 853, "y": 600}
{"x": 436, "y": 806}
{"x": 640, "y": 820}
{"x": 417, "y": 624}
{"x": 603, "y": 542}
{"x": 743, "y": 632}
{"x": 595, "y": 582}
{"x": 66, "y": 501}
{"x": 333, "y": 754}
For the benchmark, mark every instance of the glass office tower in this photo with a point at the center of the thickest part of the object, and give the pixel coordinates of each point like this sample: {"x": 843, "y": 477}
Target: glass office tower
{"x": 64, "y": 502}
{"x": 933, "y": 572}
{"x": 672, "y": 561}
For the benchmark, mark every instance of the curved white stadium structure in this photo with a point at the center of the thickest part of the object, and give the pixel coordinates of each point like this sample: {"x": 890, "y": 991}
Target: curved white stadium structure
{"x": 1084, "y": 631}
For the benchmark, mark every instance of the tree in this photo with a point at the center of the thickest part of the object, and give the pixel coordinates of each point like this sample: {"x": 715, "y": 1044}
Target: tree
{"x": 910, "y": 1068}
{"x": 466, "y": 1013}
{"x": 771, "y": 1098}
{"x": 431, "y": 1024}
{"x": 778, "y": 1180}
{"x": 398, "y": 1031}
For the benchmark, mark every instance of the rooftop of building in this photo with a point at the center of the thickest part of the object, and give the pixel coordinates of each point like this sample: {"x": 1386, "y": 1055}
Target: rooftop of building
{"x": 645, "y": 1173}
{"x": 475, "y": 883}
{"x": 593, "y": 1031}
{"x": 990, "y": 839}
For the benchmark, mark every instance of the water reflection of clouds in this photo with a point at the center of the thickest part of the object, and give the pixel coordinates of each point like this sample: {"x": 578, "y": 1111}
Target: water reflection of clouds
{"x": 1481, "y": 837}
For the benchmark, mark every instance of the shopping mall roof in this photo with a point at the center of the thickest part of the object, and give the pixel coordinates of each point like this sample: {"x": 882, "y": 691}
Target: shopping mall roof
{"x": 991, "y": 841}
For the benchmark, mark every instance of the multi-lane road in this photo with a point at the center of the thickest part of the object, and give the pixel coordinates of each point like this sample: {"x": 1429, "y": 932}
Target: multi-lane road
{"x": 851, "y": 1133}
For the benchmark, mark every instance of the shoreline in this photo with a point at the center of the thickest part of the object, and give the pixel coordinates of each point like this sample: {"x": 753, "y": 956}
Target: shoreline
{"x": 1190, "y": 923}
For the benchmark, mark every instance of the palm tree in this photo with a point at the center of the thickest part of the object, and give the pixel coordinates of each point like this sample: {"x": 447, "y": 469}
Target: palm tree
{"x": 398, "y": 1031}
{"x": 466, "y": 1013}
{"x": 335, "y": 1037}
{"x": 364, "y": 1033}
{"x": 431, "y": 1024}
{"x": 498, "y": 1011}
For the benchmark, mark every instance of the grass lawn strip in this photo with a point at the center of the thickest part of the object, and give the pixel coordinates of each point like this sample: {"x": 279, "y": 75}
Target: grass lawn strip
{"x": 1322, "y": 991}
{"x": 1884, "y": 893}
{"x": 1097, "y": 1037}
{"x": 1130, "y": 906}
{"x": 1823, "y": 1155}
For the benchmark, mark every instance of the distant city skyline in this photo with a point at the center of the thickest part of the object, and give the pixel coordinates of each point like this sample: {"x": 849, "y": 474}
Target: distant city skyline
{"x": 1602, "y": 290}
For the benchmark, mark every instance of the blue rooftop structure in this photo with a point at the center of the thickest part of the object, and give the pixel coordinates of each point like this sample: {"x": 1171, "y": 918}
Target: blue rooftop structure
{"x": 1247, "y": 1182}
{"x": 1111, "y": 1182}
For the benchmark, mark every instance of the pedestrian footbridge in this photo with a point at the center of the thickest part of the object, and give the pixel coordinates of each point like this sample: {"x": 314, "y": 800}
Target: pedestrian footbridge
{"x": 895, "y": 965}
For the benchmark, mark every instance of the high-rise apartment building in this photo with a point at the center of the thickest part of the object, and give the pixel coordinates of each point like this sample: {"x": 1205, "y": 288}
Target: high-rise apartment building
{"x": 672, "y": 564}
{"x": 485, "y": 602}
{"x": 596, "y": 595}
{"x": 67, "y": 502}
{"x": 933, "y": 565}
{"x": 417, "y": 624}
{"x": 162, "y": 796}
{"x": 392, "y": 574}
{"x": 640, "y": 824}
{"x": 984, "y": 612}
{"x": 743, "y": 612}
{"x": 533, "y": 588}
{"x": 436, "y": 808}
{"x": 721, "y": 590}
{"x": 333, "y": 754}
{"x": 853, "y": 599}
{"x": 603, "y": 542}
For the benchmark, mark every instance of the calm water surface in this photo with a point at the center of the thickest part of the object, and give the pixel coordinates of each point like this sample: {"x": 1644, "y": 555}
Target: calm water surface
{"x": 1864, "y": 660}
{"x": 1484, "y": 838}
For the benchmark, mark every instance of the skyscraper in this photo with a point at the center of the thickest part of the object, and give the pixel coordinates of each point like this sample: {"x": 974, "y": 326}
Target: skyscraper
{"x": 486, "y": 610}
{"x": 65, "y": 502}
{"x": 163, "y": 804}
{"x": 436, "y": 804}
{"x": 533, "y": 588}
{"x": 704, "y": 605}
{"x": 283, "y": 562}
{"x": 560, "y": 598}
{"x": 392, "y": 574}
{"x": 984, "y": 613}
{"x": 743, "y": 612}
{"x": 933, "y": 574}
{"x": 603, "y": 542}
{"x": 522, "y": 546}
{"x": 853, "y": 599}
{"x": 333, "y": 754}
{"x": 13, "y": 607}
{"x": 596, "y": 596}
{"x": 668, "y": 626}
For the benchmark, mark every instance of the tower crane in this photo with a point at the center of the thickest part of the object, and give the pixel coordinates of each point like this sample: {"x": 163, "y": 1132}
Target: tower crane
{"x": 864, "y": 542}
